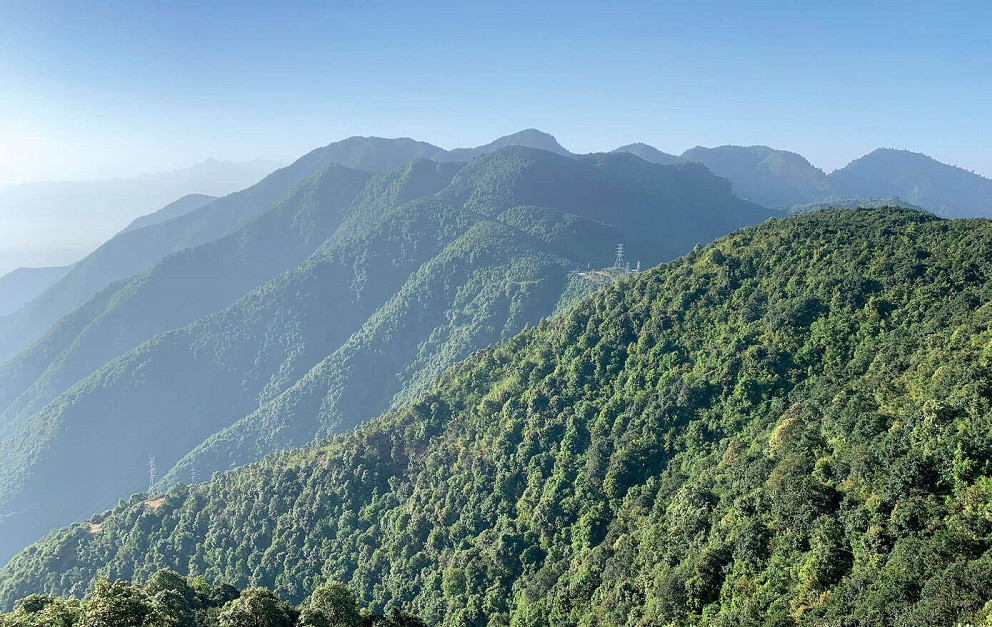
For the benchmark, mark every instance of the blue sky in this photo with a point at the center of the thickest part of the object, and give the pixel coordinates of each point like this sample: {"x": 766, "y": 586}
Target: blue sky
{"x": 99, "y": 89}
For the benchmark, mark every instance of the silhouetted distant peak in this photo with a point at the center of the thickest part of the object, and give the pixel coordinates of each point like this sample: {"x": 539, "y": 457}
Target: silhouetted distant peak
{"x": 528, "y": 138}
{"x": 531, "y": 138}
{"x": 648, "y": 153}
{"x": 900, "y": 156}
{"x": 767, "y": 176}
{"x": 945, "y": 189}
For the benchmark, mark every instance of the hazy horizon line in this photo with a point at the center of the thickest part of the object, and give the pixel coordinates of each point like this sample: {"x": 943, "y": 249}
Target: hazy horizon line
{"x": 282, "y": 162}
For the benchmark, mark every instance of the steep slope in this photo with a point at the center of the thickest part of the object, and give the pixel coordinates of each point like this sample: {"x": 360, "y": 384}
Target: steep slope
{"x": 944, "y": 189}
{"x": 482, "y": 288}
{"x": 649, "y": 153}
{"x": 443, "y": 312}
{"x": 789, "y": 426}
{"x": 19, "y": 286}
{"x": 376, "y": 311}
{"x": 772, "y": 178}
{"x": 178, "y": 290}
{"x": 134, "y": 251}
{"x": 182, "y": 206}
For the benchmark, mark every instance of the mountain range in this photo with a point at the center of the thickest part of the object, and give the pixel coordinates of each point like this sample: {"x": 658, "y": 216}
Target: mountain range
{"x": 216, "y": 332}
{"x": 787, "y": 426}
{"x": 21, "y": 286}
{"x": 783, "y": 180}
{"x": 135, "y": 249}
{"x": 348, "y": 294}
{"x": 771, "y": 178}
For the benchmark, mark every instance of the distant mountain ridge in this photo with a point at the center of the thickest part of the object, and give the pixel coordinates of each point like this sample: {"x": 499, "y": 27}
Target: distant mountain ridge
{"x": 649, "y": 153}
{"x": 134, "y": 250}
{"x": 773, "y": 178}
{"x": 180, "y": 207}
{"x": 19, "y": 286}
{"x": 224, "y": 352}
{"x": 527, "y": 138}
{"x": 781, "y": 179}
{"x": 919, "y": 179}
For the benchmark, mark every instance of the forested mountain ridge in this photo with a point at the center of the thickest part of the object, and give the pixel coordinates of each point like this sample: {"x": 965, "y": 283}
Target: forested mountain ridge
{"x": 400, "y": 290}
{"x": 135, "y": 250}
{"x": 946, "y": 190}
{"x": 204, "y": 279}
{"x": 773, "y": 178}
{"x": 788, "y": 426}
{"x": 176, "y": 208}
{"x": 527, "y": 138}
{"x": 178, "y": 290}
{"x": 649, "y": 153}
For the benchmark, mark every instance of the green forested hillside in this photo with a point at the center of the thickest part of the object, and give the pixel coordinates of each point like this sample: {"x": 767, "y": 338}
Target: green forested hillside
{"x": 199, "y": 281}
{"x": 135, "y": 250}
{"x": 788, "y": 426}
{"x": 178, "y": 290}
{"x": 400, "y": 290}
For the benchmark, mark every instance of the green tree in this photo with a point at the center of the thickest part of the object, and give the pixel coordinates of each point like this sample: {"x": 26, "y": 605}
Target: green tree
{"x": 40, "y": 610}
{"x": 331, "y": 605}
{"x": 257, "y": 607}
{"x": 121, "y": 604}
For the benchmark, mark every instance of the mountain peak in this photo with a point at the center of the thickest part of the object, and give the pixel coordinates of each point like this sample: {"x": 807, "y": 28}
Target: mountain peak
{"x": 528, "y": 138}
{"x": 946, "y": 189}
{"x": 767, "y": 176}
{"x": 532, "y": 138}
{"x": 649, "y": 153}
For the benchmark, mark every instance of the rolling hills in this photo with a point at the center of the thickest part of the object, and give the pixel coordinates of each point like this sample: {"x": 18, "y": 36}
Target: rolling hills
{"x": 135, "y": 250}
{"x": 229, "y": 350}
{"x": 772, "y": 178}
{"x": 785, "y": 180}
{"x": 787, "y": 426}
{"x": 944, "y": 189}
{"x": 178, "y": 290}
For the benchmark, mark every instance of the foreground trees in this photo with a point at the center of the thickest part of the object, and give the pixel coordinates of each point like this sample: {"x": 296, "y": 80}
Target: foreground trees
{"x": 170, "y": 600}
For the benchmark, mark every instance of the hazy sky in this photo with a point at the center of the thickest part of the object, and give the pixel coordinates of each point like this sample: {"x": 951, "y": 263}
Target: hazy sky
{"x": 97, "y": 89}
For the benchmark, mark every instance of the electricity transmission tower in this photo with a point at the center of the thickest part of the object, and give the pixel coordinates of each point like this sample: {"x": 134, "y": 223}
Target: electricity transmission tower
{"x": 620, "y": 262}
{"x": 152, "y": 472}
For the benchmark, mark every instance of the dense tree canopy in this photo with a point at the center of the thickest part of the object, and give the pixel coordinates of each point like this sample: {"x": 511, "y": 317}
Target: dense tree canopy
{"x": 791, "y": 425}
{"x": 349, "y": 295}
{"x": 170, "y": 600}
